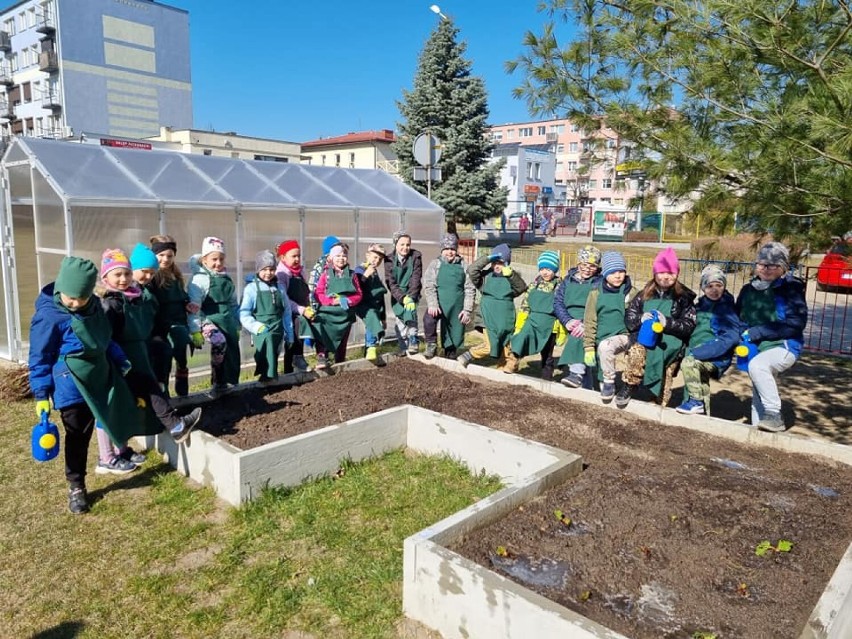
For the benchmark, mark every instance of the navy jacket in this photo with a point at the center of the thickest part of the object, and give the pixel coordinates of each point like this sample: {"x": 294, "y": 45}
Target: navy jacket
{"x": 559, "y": 309}
{"x": 726, "y": 327}
{"x": 791, "y": 311}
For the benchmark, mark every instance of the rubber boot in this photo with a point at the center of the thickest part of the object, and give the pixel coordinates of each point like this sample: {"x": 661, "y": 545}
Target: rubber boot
{"x": 182, "y": 382}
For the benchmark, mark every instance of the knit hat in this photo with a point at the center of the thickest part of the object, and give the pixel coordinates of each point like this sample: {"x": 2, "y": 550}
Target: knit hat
{"x": 503, "y": 252}
{"x": 286, "y": 246}
{"x": 611, "y": 262}
{"x": 337, "y": 249}
{"x": 77, "y": 277}
{"x": 666, "y": 262}
{"x": 712, "y": 273}
{"x": 264, "y": 259}
{"x": 549, "y": 259}
{"x": 774, "y": 253}
{"x": 143, "y": 257}
{"x": 378, "y": 249}
{"x": 400, "y": 233}
{"x": 589, "y": 255}
{"x": 212, "y": 245}
{"x": 450, "y": 241}
{"x": 328, "y": 243}
{"x": 112, "y": 259}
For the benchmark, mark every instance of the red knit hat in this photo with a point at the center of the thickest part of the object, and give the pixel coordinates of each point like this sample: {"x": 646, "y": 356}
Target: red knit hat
{"x": 286, "y": 246}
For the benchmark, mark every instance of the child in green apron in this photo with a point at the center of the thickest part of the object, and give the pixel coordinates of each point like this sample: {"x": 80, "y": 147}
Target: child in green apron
{"x": 669, "y": 302}
{"x": 569, "y": 306}
{"x": 265, "y": 314}
{"x": 403, "y": 277}
{"x": 291, "y": 275}
{"x": 215, "y": 314}
{"x": 449, "y": 295}
{"x": 371, "y": 310}
{"x": 338, "y": 293}
{"x": 74, "y": 362}
{"x": 498, "y": 284}
{"x": 535, "y": 324}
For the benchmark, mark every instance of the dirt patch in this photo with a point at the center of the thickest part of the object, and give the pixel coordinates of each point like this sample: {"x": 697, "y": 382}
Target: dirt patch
{"x": 664, "y": 522}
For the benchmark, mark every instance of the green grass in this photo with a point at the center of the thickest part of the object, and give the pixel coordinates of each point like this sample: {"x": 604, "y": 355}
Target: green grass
{"x": 160, "y": 557}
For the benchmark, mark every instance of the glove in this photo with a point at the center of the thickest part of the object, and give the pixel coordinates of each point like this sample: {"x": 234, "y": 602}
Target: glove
{"x": 648, "y": 315}
{"x": 125, "y": 368}
{"x": 561, "y": 333}
{"x": 309, "y": 313}
{"x": 42, "y": 406}
{"x": 520, "y": 320}
{"x": 579, "y": 330}
{"x": 344, "y": 302}
{"x": 197, "y": 339}
{"x": 261, "y": 329}
{"x": 409, "y": 304}
{"x": 464, "y": 317}
{"x": 507, "y": 271}
{"x": 589, "y": 358}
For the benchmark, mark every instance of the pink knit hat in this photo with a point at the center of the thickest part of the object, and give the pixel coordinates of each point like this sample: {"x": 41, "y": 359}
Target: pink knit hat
{"x": 112, "y": 259}
{"x": 666, "y": 262}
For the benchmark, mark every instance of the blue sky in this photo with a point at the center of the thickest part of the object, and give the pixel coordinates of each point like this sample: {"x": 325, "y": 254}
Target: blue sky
{"x": 302, "y": 70}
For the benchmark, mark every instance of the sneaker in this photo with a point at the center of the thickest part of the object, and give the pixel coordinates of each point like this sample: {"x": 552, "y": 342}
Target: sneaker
{"x": 465, "y": 358}
{"x": 547, "y": 373}
{"x": 300, "y": 364}
{"x": 431, "y": 350}
{"x": 322, "y": 361}
{"x": 372, "y": 353}
{"x": 574, "y": 380}
{"x": 78, "y": 501}
{"x": 413, "y": 347}
{"x": 607, "y": 392}
{"x": 180, "y": 431}
{"x": 691, "y": 407}
{"x": 132, "y": 456}
{"x": 623, "y": 396}
{"x": 403, "y": 347}
{"x": 115, "y": 466}
{"x": 771, "y": 423}
{"x": 450, "y": 353}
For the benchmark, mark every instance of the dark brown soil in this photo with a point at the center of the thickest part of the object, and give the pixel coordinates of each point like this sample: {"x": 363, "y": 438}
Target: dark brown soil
{"x": 664, "y": 522}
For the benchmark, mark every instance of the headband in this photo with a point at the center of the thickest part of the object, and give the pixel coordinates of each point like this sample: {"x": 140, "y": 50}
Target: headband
{"x": 159, "y": 247}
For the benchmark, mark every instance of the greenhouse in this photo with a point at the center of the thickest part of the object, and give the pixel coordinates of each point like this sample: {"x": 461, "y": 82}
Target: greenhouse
{"x": 64, "y": 198}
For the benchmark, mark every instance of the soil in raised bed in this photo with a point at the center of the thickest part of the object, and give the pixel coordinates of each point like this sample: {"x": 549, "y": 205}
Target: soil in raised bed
{"x": 664, "y": 522}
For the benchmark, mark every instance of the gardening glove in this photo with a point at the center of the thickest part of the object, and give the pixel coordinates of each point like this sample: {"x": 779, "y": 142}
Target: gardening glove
{"x": 589, "y": 358}
{"x": 579, "y": 330}
{"x": 344, "y": 302}
{"x": 261, "y": 329}
{"x": 520, "y": 320}
{"x": 507, "y": 271}
{"x": 125, "y": 368}
{"x": 197, "y": 339}
{"x": 464, "y": 317}
{"x": 309, "y": 313}
{"x": 561, "y": 333}
{"x": 409, "y": 304}
{"x": 42, "y": 406}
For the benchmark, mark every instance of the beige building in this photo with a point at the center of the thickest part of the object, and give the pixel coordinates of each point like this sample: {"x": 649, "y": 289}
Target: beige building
{"x": 230, "y": 145}
{"x": 361, "y": 150}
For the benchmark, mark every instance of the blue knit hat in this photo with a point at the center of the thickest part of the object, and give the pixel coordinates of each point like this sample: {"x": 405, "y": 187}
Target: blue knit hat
{"x": 611, "y": 262}
{"x": 503, "y": 252}
{"x": 549, "y": 259}
{"x": 143, "y": 257}
{"x": 329, "y": 243}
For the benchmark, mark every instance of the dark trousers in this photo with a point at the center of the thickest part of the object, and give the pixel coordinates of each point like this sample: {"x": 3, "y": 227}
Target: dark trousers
{"x": 149, "y": 389}
{"x": 547, "y": 359}
{"x": 291, "y": 352}
{"x": 430, "y": 328}
{"x": 160, "y": 353}
{"x": 79, "y": 424}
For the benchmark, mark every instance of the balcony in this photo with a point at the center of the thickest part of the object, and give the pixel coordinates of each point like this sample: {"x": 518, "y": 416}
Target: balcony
{"x": 48, "y": 61}
{"x": 6, "y": 76}
{"x": 45, "y": 23}
{"x": 5, "y": 42}
{"x": 51, "y": 100}
{"x": 7, "y": 112}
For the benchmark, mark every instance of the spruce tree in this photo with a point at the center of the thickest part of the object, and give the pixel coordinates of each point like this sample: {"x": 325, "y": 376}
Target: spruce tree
{"x": 451, "y": 104}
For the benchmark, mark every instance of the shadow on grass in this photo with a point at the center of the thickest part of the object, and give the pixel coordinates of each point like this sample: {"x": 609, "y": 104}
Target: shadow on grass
{"x": 136, "y": 479}
{"x": 65, "y": 630}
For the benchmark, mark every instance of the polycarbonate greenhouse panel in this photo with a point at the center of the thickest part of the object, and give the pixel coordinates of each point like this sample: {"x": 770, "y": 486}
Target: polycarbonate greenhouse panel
{"x": 49, "y": 215}
{"x": 99, "y": 227}
{"x": 300, "y": 184}
{"x": 15, "y": 154}
{"x": 347, "y": 185}
{"x": 241, "y": 180}
{"x": 169, "y": 177}
{"x": 396, "y": 190}
{"x": 378, "y": 226}
{"x": 20, "y": 182}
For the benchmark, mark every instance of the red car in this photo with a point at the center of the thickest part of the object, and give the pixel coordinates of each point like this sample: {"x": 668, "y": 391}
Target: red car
{"x": 835, "y": 270}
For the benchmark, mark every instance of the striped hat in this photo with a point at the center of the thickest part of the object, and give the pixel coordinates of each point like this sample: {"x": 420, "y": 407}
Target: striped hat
{"x": 549, "y": 259}
{"x": 611, "y": 262}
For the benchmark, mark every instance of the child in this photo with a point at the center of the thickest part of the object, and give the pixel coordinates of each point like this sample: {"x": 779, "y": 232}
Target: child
{"x": 499, "y": 285}
{"x": 772, "y": 306}
{"x": 170, "y": 324}
{"x": 74, "y": 362}
{"x": 569, "y": 306}
{"x": 717, "y": 332}
{"x": 265, "y": 313}
{"x": 130, "y": 312}
{"x": 449, "y": 297}
{"x": 319, "y": 266}
{"x": 604, "y": 329}
{"x": 403, "y": 273}
{"x": 215, "y": 314}
{"x": 291, "y": 276}
{"x": 371, "y": 310}
{"x": 535, "y": 322}
{"x": 338, "y": 293}
{"x": 669, "y": 302}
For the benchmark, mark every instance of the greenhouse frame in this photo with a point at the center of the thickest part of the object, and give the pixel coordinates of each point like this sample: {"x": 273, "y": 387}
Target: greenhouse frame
{"x": 65, "y": 198}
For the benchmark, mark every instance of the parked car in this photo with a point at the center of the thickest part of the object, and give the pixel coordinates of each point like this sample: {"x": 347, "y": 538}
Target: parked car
{"x": 835, "y": 270}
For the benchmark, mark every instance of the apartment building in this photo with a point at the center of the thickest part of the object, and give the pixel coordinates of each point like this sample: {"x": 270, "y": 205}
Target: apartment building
{"x": 117, "y": 67}
{"x": 359, "y": 150}
{"x": 229, "y": 144}
{"x": 528, "y": 173}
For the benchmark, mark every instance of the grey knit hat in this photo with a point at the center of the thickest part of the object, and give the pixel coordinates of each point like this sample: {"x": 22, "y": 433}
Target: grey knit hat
{"x": 712, "y": 273}
{"x": 449, "y": 241}
{"x": 774, "y": 253}
{"x": 400, "y": 233}
{"x": 262, "y": 260}
{"x": 611, "y": 262}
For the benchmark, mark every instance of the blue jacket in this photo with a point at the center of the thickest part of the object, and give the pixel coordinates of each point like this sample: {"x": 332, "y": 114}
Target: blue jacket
{"x": 791, "y": 311}
{"x": 726, "y": 327}
{"x": 562, "y": 313}
{"x": 51, "y": 337}
{"x": 249, "y": 307}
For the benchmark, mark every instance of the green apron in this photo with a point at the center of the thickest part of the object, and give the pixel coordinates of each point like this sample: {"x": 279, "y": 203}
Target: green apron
{"x": 703, "y": 332}
{"x": 331, "y": 323}
{"x": 668, "y": 349}
{"x": 576, "y": 294}
{"x": 450, "y": 286}
{"x": 610, "y": 309}
{"x": 171, "y": 317}
{"x": 402, "y": 275}
{"x": 298, "y": 291}
{"x": 758, "y": 308}
{"x": 217, "y": 308}
{"x": 371, "y": 310}
{"x": 269, "y": 311}
{"x": 539, "y": 325}
{"x": 99, "y": 380}
{"x": 138, "y": 325}
{"x": 498, "y": 312}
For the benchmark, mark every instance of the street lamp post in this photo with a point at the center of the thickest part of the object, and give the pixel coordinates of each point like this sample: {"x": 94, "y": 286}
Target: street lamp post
{"x": 640, "y": 186}
{"x": 437, "y": 10}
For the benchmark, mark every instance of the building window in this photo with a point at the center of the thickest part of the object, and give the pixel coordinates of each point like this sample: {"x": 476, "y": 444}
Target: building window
{"x": 572, "y": 165}
{"x": 322, "y": 159}
{"x": 31, "y": 18}
{"x": 22, "y": 21}
{"x": 537, "y": 171}
{"x": 525, "y": 132}
{"x": 593, "y": 184}
{"x": 207, "y": 151}
{"x": 542, "y": 130}
{"x": 608, "y": 200}
{"x": 28, "y": 126}
{"x": 14, "y": 62}
{"x": 529, "y": 171}
{"x": 28, "y": 92}
{"x": 337, "y": 159}
{"x": 9, "y": 26}
{"x": 587, "y": 146}
{"x": 560, "y": 148}
{"x": 510, "y": 134}
{"x": 498, "y": 136}
{"x": 575, "y": 128}
{"x": 557, "y": 128}
{"x": 606, "y": 183}
{"x": 560, "y": 165}
{"x": 573, "y": 147}
{"x": 351, "y": 160}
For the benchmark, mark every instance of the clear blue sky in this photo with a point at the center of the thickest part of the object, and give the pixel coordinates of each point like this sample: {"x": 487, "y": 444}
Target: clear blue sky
{"x": 300, "y": 70}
